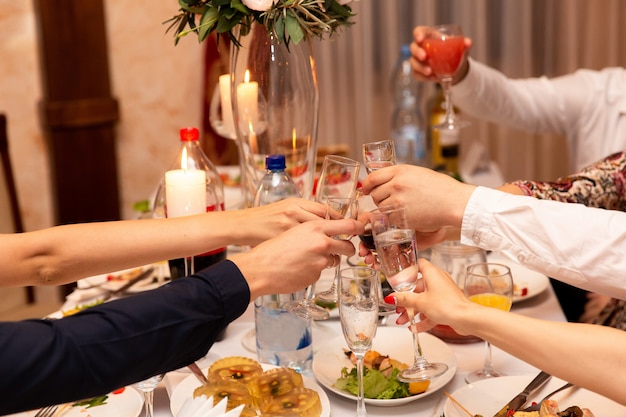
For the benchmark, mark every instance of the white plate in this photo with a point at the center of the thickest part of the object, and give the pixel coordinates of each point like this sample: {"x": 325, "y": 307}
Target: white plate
{"x": 395, "y": 342}
{"x": 185, "y": 388}
{"x": 127, "y": 404}
{"x": 487, "y": 397}
{"x": 534, "y": 282}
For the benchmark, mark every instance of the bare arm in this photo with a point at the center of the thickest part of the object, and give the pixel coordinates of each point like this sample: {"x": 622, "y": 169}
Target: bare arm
{"x": 552, "y": 346}
{"x": 64, "y": 254}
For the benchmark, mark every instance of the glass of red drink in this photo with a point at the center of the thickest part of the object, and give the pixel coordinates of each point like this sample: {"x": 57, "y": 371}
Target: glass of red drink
{"x": 445, "y": 47}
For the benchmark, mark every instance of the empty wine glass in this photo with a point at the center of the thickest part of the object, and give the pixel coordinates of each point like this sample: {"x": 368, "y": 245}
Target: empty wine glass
{"x": 358, "y": 312}
{"x": 338, "y": 178}
{"x": 491, "y": 285}
{"x": 348, "y": 208}
{"x": 147, "y": 386}
{"x": 445, "y": 47}
{"x": 377, "y": 155}
{"x": 397, "y": 251}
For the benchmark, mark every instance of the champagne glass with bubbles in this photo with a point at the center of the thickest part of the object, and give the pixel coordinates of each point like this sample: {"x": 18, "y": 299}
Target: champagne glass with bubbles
{"x": 491, "y": 285}
{"x": 358, "y": 312}
{"x": 397, "y": 250}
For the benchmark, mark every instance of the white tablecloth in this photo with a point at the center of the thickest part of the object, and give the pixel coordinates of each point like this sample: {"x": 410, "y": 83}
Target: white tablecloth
{"x": 469, "y": 358}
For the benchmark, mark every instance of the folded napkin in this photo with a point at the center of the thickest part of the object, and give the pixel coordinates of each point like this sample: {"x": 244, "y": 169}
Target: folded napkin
{"x": 203, "y": 407}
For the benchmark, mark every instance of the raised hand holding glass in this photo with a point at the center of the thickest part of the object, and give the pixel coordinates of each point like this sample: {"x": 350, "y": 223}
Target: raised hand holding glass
{"x": 397, "y": 250}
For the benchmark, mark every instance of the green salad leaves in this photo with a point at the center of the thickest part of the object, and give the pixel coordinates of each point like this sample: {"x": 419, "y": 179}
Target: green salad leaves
{"x": 376, "y": 384}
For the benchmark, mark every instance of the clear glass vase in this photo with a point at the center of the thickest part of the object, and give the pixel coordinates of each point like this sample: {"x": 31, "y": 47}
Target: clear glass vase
{"x": 275, "y": 102}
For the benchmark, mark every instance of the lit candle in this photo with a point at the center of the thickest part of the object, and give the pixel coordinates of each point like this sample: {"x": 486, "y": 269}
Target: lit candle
{"x": 185, "y": 192}
{"x": 227, "y": 108}
{"x": 248, "y": 100}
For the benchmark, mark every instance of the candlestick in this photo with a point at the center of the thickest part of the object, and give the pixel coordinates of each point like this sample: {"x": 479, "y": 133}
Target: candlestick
{"x": 227, "y": 108}
{"x": 185, "y": 192}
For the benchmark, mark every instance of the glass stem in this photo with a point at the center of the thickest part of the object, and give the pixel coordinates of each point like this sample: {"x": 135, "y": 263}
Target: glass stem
{"x": 488, "y": 366}
{"x": 149, "y": 403}
{"x": 447, "y": 91}
{"x": 418, "y": 356}
{"x": 360, "y": 404}
{"x": 308, "y": 296}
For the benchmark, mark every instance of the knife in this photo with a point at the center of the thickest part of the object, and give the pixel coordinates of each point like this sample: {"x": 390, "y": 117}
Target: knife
{"x": 145, "y": 274}
{"x": 521, "y": 398}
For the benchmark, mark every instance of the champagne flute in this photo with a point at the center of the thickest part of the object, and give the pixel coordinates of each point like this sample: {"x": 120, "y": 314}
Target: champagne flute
{"x": 397, "y": 250}
{"x": 445, "y": 47}
{"x": 338, "y": 178}
{"x": 367, "y": 238}
{"x": 147, "y": 386}
{"x": 491, "y": 285}
{"x": 358, "y": 312}
{"x": 348, "y": 208}
{"x": 377, "y": 155}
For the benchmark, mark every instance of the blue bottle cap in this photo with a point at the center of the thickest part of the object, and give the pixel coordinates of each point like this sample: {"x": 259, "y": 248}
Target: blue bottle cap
{"x": 405, "y": 51}
{"x": 275, "y": 162}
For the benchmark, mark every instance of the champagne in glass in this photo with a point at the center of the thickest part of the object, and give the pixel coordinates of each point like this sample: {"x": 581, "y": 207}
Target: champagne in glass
{"x": 397, "y": 250}
{"x": 490, "y": 285}
{"x": 358, "y": 312}
{"x": 445, "y": 47}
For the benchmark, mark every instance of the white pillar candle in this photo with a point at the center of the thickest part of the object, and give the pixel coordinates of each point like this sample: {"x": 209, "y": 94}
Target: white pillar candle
{"x": 227, "y": 108}
{"x": 248, "y": 101}
{"x": 185, "y": 192}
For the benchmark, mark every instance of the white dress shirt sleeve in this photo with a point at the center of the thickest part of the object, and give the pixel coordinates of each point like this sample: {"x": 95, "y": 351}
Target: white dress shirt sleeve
{"x": 579, "y": 245}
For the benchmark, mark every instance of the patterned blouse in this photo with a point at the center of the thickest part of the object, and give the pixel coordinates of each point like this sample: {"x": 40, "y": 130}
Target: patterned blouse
{"x": 601, "y": 185}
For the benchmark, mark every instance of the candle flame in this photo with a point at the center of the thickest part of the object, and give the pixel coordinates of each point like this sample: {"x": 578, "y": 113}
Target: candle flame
{"x": 246, "y": 77}
{"x": 293, "y": 139}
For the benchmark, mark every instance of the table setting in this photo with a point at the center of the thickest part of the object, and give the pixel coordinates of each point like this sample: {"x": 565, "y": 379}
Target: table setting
{"x": 446, "y": 393}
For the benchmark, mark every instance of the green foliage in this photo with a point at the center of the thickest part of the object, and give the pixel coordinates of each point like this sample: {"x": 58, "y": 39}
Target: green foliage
{"x": 289, "y": 20}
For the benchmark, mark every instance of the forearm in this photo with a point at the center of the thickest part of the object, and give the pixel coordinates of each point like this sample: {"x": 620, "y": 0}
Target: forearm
{"x": 584, "y": 354}
{"x": 64, "y": 254}
{"x": 557, "y": 239}
{"x": 528, "y": 104}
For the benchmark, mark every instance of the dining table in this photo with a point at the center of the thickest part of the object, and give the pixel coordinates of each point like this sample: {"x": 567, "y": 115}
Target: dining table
{"x": 469, "y": 357}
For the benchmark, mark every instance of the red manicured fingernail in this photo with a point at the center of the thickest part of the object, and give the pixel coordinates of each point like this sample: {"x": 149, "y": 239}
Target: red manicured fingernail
{"x": 390, "y": 299}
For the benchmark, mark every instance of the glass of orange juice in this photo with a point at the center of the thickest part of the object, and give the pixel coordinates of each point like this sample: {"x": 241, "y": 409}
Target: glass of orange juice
{"x": 491, "y": 285}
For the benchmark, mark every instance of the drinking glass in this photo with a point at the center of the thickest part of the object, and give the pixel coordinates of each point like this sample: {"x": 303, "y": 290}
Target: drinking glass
{"x": 358, "y": 312}
{"x": 368, "y": 241}
{"x": 491, "y": 285}
{"x": 338, "y": 178}
{"x": 147, "y": 386}
{"x": 397, "y": 250}
{"x": 377, "y": 155}
{"x": 445, "y": 47}
{"x": 348, "y": 208}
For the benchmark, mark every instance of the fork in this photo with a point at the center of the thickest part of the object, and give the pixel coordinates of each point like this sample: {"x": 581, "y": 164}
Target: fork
{"x": 47, "y": 411}
{"x": 537, "y": 406}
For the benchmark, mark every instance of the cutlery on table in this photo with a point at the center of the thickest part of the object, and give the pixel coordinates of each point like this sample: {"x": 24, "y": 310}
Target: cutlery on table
{"x": 537, "y": 406}
{"x": 47, "y": 411}
{"x": 195, "y": 369}
{"x": 145, "y": 274}
{"x": 521, "y": 398}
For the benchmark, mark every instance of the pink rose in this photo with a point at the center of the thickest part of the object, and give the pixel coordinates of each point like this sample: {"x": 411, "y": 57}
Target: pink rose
{"x": 259, "y": 5}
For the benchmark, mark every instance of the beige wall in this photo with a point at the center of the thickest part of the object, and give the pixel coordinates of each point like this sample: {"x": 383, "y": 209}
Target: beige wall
{"x": 157, "y": 84}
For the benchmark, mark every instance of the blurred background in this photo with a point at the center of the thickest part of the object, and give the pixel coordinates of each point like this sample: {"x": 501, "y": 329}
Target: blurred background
{"x": 152, "y": 87}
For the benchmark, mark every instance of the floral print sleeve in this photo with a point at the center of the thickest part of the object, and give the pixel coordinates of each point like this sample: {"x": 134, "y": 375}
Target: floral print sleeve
{"x": 601, "y": 185}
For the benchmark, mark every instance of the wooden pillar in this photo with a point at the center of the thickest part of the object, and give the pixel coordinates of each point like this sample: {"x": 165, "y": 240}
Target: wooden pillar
{"x": 78, "y": 112}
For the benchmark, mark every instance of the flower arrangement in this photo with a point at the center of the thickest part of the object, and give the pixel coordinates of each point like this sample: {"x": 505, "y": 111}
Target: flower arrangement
{"x": 289, "y": 20}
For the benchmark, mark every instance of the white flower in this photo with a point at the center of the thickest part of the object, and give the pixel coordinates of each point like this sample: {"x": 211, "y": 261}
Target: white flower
{"x": 259, "y": 5}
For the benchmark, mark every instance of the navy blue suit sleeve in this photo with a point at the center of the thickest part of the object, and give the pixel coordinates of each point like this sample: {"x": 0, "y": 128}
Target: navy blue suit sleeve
{"x": 117, "y": 343}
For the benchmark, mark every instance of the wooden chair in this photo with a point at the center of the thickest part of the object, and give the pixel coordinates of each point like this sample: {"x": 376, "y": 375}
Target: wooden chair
{"x": 8, "y": 193}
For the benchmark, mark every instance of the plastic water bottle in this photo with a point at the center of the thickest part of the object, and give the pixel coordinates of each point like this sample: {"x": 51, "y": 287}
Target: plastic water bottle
{"x": 407, "y": 121}
{"x": 282, "y": 338}
{"x": 276, "y": 184}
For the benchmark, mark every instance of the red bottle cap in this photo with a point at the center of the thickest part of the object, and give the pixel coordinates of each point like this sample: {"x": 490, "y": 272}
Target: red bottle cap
{"x": 189, "y": 134}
